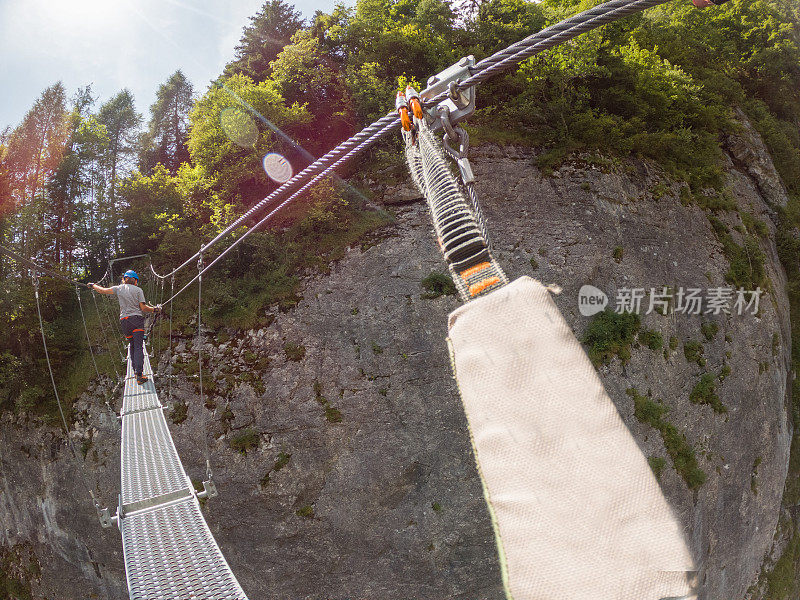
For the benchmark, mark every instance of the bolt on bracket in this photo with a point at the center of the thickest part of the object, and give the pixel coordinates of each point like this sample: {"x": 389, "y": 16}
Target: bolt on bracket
{"x": 460, "y": 102}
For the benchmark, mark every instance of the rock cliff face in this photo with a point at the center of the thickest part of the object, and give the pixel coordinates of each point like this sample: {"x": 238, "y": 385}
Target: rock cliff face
{"x": 357, "y": 479}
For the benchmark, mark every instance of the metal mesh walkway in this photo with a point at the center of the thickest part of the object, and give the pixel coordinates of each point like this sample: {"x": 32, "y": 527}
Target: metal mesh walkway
{"x": 169, "y": 551}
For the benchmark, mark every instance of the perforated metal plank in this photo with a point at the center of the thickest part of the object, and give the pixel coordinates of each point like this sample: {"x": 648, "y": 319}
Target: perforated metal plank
{"x": 139, "y": 397}
{"x": 171, "y": 554}
{"x": 168, "y": 549}
{"x": 150, "y": 464}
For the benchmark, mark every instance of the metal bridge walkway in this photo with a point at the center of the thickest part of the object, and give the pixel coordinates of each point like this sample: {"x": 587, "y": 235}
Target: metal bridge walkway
{"x": 169, "y": 551}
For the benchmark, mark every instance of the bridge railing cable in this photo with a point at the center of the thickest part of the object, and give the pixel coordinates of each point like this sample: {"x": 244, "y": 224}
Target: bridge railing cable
{"x": 501, "y": 61}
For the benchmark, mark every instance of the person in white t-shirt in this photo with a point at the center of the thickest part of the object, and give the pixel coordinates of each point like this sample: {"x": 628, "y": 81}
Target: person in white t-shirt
{"x": 132, "y": 307}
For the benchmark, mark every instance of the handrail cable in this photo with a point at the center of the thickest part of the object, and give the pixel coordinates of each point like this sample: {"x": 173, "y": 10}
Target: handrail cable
{"x": 172, "y": 290}
{"x": 492, "y": 65}
{"x": 86, "y": 331}
{"x": 81, "y": 466}
{"x": 361, "y": 147}
{"x": 202, "y": 406}
{"x": 37, "y": 267}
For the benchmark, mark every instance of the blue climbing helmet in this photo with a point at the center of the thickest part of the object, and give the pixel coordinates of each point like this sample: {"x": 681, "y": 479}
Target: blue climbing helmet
{"x": 131, "y": 274}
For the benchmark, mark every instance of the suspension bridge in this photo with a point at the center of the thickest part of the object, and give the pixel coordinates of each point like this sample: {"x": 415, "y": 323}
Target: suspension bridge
{"x": 555, "y": 459}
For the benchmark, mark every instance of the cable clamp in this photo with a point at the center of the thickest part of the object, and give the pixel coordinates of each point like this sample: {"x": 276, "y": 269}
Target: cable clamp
{"x": 459, "y": 135}
{"x": 460, "y": 102}
{"x": 209, "y": 487}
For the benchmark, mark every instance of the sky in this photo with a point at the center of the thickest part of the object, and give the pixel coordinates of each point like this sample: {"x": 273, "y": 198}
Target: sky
{"x": 116, "y": 44}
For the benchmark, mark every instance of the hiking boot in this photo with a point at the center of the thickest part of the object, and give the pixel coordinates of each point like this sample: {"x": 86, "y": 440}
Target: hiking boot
{"x": 140, "y": 379}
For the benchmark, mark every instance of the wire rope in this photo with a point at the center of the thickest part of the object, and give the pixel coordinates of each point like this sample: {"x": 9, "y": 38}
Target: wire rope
{"x": 37, "y": 267}
{"x": 493, "y": 65}
{"x": 105, "y": 336}
{"x": 86, "y": 330}
{"x": 200, "y": 364}
{"x": 81, "y": 465}
{"x": 342, "y": 160}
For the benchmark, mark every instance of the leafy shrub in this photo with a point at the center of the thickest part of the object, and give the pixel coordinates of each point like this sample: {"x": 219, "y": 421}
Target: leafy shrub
{"x": 709, "y": 330}
{"x": 657, "y": 464}
{"x": 281, "y": 461}
{"x": 652, "y": 339}
{"x": 610, "y": 334}
{"x": 438, "y": 284}
{"x": 704, "y": 392}
{"x": 295, "y": 352}
{"x": 693, "y": 351}
{"x": 179, "y": 412}
{"x": 246, "y": 440}
{"x": 746, "y": 262}
{"x": 333, "y": 415}
{"x": 682, "y": 454}
{"x": 306, "y": 511}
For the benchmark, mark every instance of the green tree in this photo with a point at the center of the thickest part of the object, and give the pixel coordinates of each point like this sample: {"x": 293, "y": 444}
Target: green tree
{"x": 120, "y": 119}
{"x": 227, "y": 139}
{"x": 165, "y": 139}
{"x": 307, "y": 75}
{"x": 262, "y": 40}
{"x": 32, "y": 153}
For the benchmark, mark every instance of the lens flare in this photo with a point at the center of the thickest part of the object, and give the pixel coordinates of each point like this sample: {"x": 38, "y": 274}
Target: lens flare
{"x": 240, "y": 127}
{"x": 277, "y": 167}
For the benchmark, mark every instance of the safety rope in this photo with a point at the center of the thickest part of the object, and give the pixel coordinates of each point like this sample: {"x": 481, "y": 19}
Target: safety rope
{"x": 160, "y": 323}
{"x": 172, "y": 291}
{"x": 327, "y": 171}
{"x": 86, "y": 331}
{"x": 81, "y": 465}
{"x": 327, "y": 163}
{"x": 203, "y": 409}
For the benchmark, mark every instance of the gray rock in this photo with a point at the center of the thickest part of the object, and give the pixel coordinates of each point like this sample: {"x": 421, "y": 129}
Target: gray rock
{"x": 363, "y": 482}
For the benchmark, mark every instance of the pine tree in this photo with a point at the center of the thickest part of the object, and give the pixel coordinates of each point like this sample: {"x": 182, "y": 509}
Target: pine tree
{"x": 32, "y": 153}
{"x": 165, "y": 140}
{"x": 269, "y": 31}
{"x": 121, "y": 121}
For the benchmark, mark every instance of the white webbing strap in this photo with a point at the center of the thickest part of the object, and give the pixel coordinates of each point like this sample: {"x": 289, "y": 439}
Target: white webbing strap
{"x": 577, "y": 511}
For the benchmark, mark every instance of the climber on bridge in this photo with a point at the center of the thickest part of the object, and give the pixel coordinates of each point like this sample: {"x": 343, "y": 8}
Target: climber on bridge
{"x": 132, "y": 307}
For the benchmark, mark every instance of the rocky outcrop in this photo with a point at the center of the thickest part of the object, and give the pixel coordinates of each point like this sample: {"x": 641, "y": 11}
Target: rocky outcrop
{"x": 336, "y": 435}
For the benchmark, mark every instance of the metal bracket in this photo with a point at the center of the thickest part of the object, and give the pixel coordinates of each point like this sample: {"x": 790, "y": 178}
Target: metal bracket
{"x": 105, "y": 517}
{"x": 209, "y": 490}
{"x": 460, "y": 103}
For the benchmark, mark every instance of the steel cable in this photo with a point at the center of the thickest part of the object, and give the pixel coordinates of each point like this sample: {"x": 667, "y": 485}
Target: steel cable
{"x": 81, "y": 466}
{"x": 86, "y": 330}
{"x": 488, "y": 67}
{"x": 361, "y": 147}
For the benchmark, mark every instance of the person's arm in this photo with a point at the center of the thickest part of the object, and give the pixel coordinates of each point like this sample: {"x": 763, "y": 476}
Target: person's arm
{"x": 147, "y": 308}
{"x": 100, "y": 289}
{"x": 144, "y": 306}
